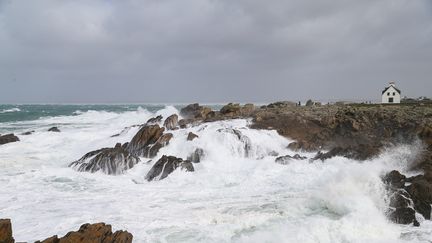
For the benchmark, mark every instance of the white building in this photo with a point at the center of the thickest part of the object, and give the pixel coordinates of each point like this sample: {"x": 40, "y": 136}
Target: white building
{"x": 391, "y": 94}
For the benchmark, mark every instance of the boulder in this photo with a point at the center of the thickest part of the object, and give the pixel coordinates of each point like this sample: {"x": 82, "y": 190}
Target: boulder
{"x": 166, "y": 165}
{"x": 195, "y": 111}
{"x": 404, "y": 216}
{"x": 111, "y": 161}
{"x": 242, "y": 138}
{"x": 280, "y": 104}
{"x": 6, "y": 231}
{"x": 54, "y": 129}
{"x": 28, "y": 133}
{"x": 231, "y": 109}
{"x": 8, "y": 138}
{"x": 152, "y": 150}
{"x": 92, "y": 233}
{"x": 196, "y": 156}
{"x": 145, "y": 137}
{"x": 395, "y": 179}
{"x": 191, "y": 136}
{"x": 283, "y": 160}
{"x": 154, "y": 120}
{"x": 171, "y": 122}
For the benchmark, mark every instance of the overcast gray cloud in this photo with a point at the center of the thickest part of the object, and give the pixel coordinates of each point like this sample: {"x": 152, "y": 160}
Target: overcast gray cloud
{"x": 212, "y": 50}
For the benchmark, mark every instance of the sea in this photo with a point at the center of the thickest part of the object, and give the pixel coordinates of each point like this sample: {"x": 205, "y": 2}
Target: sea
{"x": 237, "y": 193}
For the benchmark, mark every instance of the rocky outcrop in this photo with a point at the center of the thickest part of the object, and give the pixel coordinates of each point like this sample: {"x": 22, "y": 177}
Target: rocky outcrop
{"x": 171, "y": 122}
{"x": 358, "y": 131}
{"x": 233, "y": 110}
{"x": 27, "y": 133}
{"x": 8, "y": 138}
{"x": 191, "y": 136}
{"x": 152, "y": 150}
{"x": 54, "y": 129}
{"x": 92, "y": 233}
{"x": 284, "y": 160}
{"x": 408, "y": 196}
{"x": 145, "y": 137}
{"x": 195, "y": 111}
{"x": 166, "y": 165}
{"x": 111, "y": 161}
{"x": 154, "y": 120}
{"x": 6, "y": 231}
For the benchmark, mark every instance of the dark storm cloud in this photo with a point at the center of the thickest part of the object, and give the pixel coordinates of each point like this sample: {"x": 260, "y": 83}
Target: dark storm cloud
{"x": 209, "y": 50}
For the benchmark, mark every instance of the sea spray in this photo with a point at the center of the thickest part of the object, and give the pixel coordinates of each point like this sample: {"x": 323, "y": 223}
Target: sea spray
{"x": 232, "y": 196}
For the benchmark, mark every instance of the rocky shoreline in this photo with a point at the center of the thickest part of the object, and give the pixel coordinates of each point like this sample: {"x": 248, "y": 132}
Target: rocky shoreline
{"x": 356, "y": 131}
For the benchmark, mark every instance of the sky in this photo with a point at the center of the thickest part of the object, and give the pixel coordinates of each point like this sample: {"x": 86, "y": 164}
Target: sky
{"x": 143, "y": 51}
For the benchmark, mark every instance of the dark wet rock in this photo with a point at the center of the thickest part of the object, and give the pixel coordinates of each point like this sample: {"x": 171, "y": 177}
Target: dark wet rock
{"x": 196, "y": 156}
{"x": 92, "y": 233}
{"x": 54, "y": 129}
{"x": 395, "y": 179}
{"x": 403, "y": 216}
{"x": 414, "y": 193}
{"x": 154, "y": 120}
{"x": 195, "y": 111}
{"x": 6, "y": 231}
{"x": 171, "y": 122}
{"x": 166, "y": 165}
{"x": 112, "y": 161}
{"x": 27, "y": 133}
{"x": 420, "y": 191}
{"x": 145, "y": 137}
{"x": 152, "y": 150}
{"x": 360, "y": 152}
{"x": 288, "y": 158}
{"x": 191, "y": 136}
{"x": 8, "y": 138}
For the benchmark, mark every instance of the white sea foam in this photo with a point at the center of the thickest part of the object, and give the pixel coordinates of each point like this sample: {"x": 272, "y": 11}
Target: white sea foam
{"x": 10, "y": 110}
{"x": 232, "y": 196}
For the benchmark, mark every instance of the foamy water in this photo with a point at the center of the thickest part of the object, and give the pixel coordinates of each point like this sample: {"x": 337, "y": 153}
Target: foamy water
{"x": 233, "y": 196}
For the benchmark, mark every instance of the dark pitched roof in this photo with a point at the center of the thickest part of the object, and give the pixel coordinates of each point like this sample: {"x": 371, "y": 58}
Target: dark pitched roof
{"x": 398, "y": 90}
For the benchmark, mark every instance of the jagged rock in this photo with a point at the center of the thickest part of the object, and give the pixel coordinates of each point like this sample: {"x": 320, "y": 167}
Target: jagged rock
{"x": 360, "y": 152}
{"x": 145, "y": 137}
{"x": 92, "y": 233}
{"x": 191, "y": 136}
{"x": 395, "y": 179}
{"x": 166, "y": 165}
{"x": 404, "y": 216}
{"x": 420, "y": 191}
{"x": 27, "y": 133}
{"x": 112, "y": 161}
{"x": 196, "y": 156}
{"x": 171, "y": 122}
{"x": 152, "y": 150}
{"x": 54, "y": 129}
{"x": 154, "y": 120}
{"x": 6, "y": 231}
{"x": 8, "y": 138}
{"x": 195, "y": 111}
{"x": 283, "y": 160}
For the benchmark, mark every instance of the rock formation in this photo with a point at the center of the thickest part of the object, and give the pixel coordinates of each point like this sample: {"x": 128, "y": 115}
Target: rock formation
{"x": 193, "y": 111}
{"x": 112, "y": 161}
{"x": 145, "y": 137}
{"x": 171, "y": 122}
{"x": 166, "y": 165}
{"x": 54, "y": 129}
{"x": 8, "y": 138}
{"x": 6, "y": 231}
{"x": 92, "y": 233}
{"x": 191, "y": 136}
